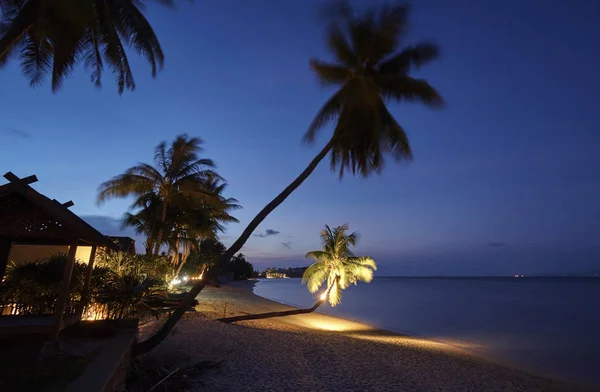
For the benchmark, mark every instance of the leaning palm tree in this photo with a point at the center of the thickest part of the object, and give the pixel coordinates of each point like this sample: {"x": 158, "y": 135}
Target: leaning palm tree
{"x": 52, "y": 36}
{"x": 179, "y": 176}
{"x": 337, "y": 265}
{"x": 370, "y": 68}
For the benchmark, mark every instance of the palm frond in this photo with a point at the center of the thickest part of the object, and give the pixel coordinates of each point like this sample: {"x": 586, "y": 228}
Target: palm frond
{"x": 391, "y": 24}
{"x": 335, "y": 294}
{"x": 330, "y": 73}
{"x": 413, "y": 56}
{"x": 405, "y": 88}
{"x": 314, "y": 276}
{"x": 327, "y": 113}
{"x": 36, "y": 58}
{"x": 125, "y": 185}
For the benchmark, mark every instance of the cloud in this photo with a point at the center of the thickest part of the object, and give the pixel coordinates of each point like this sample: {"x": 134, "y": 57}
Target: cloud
{"x": 497, "y": 244}
{"x": 267, "y": 233}
{"x": 18, "y": 132}
{"x": 287, "y": 245}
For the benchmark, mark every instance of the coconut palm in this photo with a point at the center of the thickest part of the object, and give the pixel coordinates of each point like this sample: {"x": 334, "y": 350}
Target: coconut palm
{"x": 144, "y": 221}
{"x": 179, "y": 177}
{"x": 52, "y": 36}
{"x": 370, "y": 67}
{"x": 203, "y": 221}
{"x": 337, "y": 265}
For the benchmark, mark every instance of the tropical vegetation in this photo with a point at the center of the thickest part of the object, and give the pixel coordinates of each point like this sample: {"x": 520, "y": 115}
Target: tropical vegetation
{"x": 178, "y": 202}
{"x": 337, "y": 265}
{"x": 120, "y": 286}
{"x": 371, "y": 67}
{"x": 51, "y": 37}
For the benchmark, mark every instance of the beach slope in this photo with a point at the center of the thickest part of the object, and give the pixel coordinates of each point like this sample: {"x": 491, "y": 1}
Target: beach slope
{"x": 315, "y": 352}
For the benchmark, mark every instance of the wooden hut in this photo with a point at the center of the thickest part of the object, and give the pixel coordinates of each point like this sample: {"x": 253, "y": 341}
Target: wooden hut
{"x": 28, "y": 217}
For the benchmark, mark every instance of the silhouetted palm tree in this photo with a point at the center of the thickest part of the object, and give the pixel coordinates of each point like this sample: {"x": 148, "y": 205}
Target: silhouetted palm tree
{"x": 370, "y": 68}
{"x": 199, "y": 221}
{"x": 337, "y": 265}
{"x": 52, "y": 36}
{"x": 145, "y": 221}
{"x": 178, "y": 178}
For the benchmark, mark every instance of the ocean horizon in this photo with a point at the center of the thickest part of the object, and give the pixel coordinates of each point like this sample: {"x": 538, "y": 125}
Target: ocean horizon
{"x": 545, "y": 324}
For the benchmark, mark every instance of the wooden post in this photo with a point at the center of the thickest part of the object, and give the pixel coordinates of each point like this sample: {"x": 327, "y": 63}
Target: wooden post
{"x": 63, "y": 294}
{"x": 4, "y": 254}
{"x": 85, "y": 295}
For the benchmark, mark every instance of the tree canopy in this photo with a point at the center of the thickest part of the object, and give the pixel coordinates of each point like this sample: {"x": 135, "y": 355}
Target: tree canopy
{"x": 336, "y": 264}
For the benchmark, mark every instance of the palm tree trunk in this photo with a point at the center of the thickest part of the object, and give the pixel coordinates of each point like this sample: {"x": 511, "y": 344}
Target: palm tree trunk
{"x": 272, "y": 314}
{"x": 163, "y": 217}
{"x": 212, "y": 273}
{"x": 279, "y": 314}
{"x": 184, "y": 258}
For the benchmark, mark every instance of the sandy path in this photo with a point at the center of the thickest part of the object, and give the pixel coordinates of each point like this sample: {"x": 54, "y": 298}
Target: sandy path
{"x": 322, "y": 353}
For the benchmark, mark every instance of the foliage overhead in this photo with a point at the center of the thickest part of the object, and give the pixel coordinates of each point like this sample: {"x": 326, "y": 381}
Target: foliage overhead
{"x": 336, "y": 264}
{"x": 370, "y": 68}
{"x": 52, "y": 36}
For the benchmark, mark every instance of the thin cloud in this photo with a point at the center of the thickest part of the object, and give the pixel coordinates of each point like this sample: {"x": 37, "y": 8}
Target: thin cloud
{"x": 267, "y": 233}
{"x": 18, "y": 133}
{"x": 287, "y": 245}
{"x": 497, "y": 244}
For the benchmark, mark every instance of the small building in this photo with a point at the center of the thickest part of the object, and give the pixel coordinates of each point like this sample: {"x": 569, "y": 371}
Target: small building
{"x": 31, "y": 220}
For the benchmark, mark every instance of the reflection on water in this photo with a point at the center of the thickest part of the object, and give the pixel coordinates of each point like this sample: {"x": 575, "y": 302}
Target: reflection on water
{"x": 546, "y": 324}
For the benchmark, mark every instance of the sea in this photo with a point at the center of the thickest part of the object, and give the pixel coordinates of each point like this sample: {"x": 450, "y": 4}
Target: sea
{"x": 550, "y": 326}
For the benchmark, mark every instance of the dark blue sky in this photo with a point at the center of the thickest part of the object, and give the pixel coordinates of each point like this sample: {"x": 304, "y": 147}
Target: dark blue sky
{"x": 505, "y": 179}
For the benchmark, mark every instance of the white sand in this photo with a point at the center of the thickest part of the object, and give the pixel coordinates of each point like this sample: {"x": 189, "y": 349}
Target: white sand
{"x": 315, "y": 352}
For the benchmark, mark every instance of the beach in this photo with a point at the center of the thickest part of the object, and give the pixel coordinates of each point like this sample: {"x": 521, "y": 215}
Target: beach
{"x": 316, "y": 352}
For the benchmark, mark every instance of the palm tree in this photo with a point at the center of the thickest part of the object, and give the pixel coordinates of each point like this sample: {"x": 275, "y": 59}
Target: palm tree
{"x": 205, "y": 220}
{"x": 370, "y": 69}
{"x": 52, "y": 36}
{"x": 337, "y": 265}
{"x": 144, "y": 221}
{"x": 178, "y": 177}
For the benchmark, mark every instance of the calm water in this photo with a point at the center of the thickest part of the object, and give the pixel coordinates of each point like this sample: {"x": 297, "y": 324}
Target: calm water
{"x": 549, "y": 325}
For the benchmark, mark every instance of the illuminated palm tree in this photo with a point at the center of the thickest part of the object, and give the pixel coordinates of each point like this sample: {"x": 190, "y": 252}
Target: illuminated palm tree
{"x": 337, "y": 265}
{"x": 178, "y": 178}
{"x": 370, "y": 68}
{"x": 52, "y": 36}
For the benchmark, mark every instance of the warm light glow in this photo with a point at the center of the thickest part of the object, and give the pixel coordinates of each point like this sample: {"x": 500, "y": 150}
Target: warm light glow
{"x": 185, "y": 278}
{"x": 94, "y": 312}
{"x": 175, "y": 282}
{"x": 324, "y": 296}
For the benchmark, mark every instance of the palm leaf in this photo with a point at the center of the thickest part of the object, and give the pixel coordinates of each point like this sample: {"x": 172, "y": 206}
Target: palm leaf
{"x": 405, "y": 88}
{"x": 416, "y": 56}
{"x": 327, "y": 113}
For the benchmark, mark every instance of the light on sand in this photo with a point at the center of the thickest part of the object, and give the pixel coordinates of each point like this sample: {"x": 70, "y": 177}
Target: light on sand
{"x": 324, "y": 296}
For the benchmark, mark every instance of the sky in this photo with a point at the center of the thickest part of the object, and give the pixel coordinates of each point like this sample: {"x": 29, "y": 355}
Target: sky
{"x": 505, "y": 178}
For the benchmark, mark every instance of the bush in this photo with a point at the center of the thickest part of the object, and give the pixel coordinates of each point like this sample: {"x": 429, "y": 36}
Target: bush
{"x": 119, "y": 285}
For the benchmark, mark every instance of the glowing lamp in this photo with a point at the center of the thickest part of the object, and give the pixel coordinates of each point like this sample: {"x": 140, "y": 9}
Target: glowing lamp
{"x": 324, "y": 296}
